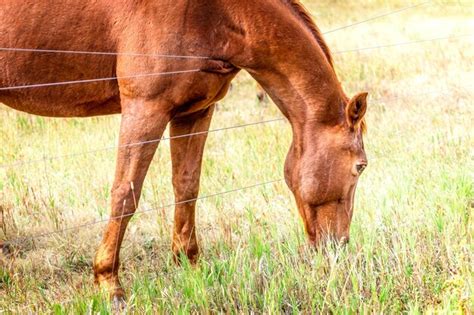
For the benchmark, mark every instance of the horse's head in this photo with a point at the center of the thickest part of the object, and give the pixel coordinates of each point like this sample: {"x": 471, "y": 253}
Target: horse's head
{"x": 322, "y": 171}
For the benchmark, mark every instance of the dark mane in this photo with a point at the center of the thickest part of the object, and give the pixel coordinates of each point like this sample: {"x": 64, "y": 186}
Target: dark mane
{"x": 304, "y": 15}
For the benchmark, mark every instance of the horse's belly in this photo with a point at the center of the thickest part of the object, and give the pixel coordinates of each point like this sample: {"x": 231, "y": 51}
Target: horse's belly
{"x": 64, "y": 25}
{"x": 25, "y": 90}
{"x": 63, "y": 108}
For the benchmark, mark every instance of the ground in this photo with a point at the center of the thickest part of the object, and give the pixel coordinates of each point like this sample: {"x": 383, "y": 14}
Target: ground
{"x": 411, "y": 246}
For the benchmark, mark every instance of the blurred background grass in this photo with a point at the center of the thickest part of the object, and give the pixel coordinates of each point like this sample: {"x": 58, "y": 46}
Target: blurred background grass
{"x": 411, "y": 244}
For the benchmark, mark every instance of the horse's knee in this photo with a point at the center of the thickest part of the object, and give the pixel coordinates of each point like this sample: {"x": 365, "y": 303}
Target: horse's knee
{"x": 186, "y": 188}
{"x": 124, "y": 199}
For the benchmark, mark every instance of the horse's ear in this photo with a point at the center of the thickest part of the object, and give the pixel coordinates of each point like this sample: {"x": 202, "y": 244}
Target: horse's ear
{"x": 355, "y": 109}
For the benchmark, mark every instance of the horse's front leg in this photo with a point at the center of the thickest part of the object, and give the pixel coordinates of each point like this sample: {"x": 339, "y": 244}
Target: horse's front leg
{"x": 186, "y": 154}
{"x": 141, "y": 122}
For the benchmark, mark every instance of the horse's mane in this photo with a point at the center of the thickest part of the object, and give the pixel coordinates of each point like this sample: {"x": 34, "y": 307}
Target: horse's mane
{"x": 304, "y": 15}
{"x": 306, "y": 18}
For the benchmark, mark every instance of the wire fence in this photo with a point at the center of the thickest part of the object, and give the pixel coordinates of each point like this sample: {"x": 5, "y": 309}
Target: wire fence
{"x": 44, "y": 158}
{"x": 378, "y": 16}
{"x": 100, "y": 53}
{"x": 172, "y": 204}
{"x": 262, "y": 184}
{"x": 167, "y": 73}
{"x": 175, "y": 56}
{"x": 20, "y": 163}
{"x": 50, "y": 158}
{"x": 133, "y": 76}
{"x": 420, "y": 41}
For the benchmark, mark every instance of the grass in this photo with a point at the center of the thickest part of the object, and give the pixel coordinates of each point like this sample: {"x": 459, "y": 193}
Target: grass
{"x": 411, "y": 247}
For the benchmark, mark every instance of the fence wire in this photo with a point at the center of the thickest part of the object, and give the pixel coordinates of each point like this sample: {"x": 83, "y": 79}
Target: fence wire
{"x": 272, "y": 120}
{"x": 133, "y": 76}
{"x": 77, "y": 227}
{"x": 60, "y": 231}
{"x": 100, "y": 53}
{"x": 144, "y": 75}
{"x": 378, "y": 17}
{"x": 420, "y": 41}
{"x": 177, "y": 56}
{"x": 57, "y": 157}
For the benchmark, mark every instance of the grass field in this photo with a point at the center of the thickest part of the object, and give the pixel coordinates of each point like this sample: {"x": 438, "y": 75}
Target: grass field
{"x": 411, "y": 246}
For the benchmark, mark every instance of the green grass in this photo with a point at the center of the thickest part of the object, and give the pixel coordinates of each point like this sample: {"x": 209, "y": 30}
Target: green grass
{"x": 411, "y": 244}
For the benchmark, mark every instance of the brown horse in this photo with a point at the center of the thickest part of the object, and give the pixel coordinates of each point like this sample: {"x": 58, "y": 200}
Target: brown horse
{"x": 275, "y": 41}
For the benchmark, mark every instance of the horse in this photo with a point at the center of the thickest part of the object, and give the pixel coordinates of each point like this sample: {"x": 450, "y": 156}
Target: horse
{"x": 276, "y": 41}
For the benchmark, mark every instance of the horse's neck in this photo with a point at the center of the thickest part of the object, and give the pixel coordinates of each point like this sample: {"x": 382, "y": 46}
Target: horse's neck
{"x": 285, "y": 57}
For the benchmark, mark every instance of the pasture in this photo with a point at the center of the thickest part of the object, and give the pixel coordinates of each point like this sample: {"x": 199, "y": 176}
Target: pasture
{"x": 411, "y": 247}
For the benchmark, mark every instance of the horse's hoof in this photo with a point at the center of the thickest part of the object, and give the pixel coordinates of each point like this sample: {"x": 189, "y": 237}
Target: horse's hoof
{"x": 181, "y": 258}
{"x": 119, "y": 305}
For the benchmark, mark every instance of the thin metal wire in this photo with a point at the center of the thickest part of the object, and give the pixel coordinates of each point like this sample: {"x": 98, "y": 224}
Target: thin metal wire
{"x": 17, "y": 240}
{"x": 197, "y": 70}
{"x": 57, "y": 157}
{"x": 377, "y": 17}
{"x": 142, "y": 75}
{"x": 402, "y": 43}
{"x": 27, "y": 162}
{"x": 389, "y": 99}
{"x": 100, "y": 53}
{"x": 77, "y": 227}
{"x": 186, "y": 201}
{"x": 176, "y": 56}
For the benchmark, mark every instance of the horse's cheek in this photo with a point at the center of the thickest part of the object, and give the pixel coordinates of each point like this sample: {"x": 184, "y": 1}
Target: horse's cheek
{"x": 309, "y": 188}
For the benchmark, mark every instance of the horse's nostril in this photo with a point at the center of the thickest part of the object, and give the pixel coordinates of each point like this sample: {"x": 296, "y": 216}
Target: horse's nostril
{"x": 361, "y": 167}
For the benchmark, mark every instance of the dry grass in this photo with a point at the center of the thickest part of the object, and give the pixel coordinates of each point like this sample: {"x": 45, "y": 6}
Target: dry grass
{"x": 412, "y": 236}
